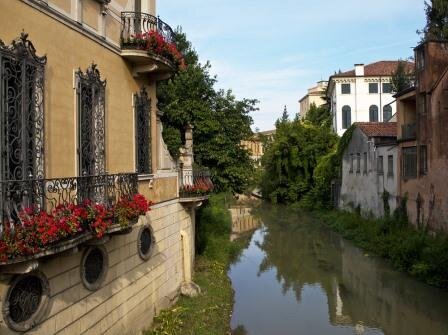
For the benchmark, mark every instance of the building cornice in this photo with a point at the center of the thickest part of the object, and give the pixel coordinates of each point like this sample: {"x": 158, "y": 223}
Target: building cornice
{"x": 44, "y": 8}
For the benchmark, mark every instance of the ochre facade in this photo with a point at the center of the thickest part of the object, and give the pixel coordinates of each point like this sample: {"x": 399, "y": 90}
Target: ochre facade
{"x": 73, "y": 35}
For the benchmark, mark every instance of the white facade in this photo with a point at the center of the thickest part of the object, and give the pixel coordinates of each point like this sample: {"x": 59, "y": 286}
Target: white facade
{"x": 359, "y": 99}
{"x": 363, "y": 180}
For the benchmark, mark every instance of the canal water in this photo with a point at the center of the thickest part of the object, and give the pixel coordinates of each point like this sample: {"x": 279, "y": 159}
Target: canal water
{"x": 297, "y": 277}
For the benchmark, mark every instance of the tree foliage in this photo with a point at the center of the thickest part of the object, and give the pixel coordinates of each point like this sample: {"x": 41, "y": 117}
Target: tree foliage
{"x": 289, "y": 162}
{"x": 319, "y": 116}
{"x": 401, "y": 79}
{"x": 436, "y": 21}
{"x": 220, "y": 120}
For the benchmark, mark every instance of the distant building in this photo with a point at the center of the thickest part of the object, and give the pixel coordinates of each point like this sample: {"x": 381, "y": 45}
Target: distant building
{"x": 255, "y": 145}
{"x": 363, "y": 94}
{"x": 369, "y": 168}
{"x": 423, "y": 139}
{"x": 315, "y": 95}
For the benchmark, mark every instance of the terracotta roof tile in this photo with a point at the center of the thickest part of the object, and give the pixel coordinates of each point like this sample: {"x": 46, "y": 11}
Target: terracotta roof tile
{"x": 378, "y": 129}
{"x": 381, "y": 68}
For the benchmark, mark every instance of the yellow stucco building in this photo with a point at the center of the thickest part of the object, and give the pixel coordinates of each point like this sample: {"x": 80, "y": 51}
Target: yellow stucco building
{"x": 315, "y": 95}
{"x": 79, "y": 121}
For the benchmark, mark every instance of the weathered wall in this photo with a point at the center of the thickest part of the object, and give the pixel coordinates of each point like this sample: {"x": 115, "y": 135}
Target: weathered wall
{"x": 134, "y": 290}
{"x": 366, "y": 188}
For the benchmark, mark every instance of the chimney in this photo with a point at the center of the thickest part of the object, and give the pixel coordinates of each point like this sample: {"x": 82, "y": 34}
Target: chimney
{"x": 359, "y": 70}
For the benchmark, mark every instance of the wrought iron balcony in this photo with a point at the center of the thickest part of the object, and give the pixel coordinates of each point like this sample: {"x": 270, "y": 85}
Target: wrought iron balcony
{"x": 53, "y": 215}
{"x": 408, "y": 132}
{"x": 148, "y": 43}
{"x": 195, "y": 183}
{"x": 135, "y": 23}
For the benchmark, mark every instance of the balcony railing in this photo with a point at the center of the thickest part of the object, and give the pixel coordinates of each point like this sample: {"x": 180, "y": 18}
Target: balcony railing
{"x": 41, "y": 214}
{"x": 408, "y": 131}
{"x": 135, "y": 23}
{"x": 194, "y": 183}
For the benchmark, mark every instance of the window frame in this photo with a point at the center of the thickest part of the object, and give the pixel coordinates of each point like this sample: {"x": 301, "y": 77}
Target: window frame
{"x": 390, "y": 165}
{"x": 386, "y": 91}
{"x": 346, "y": 116}
{"x": 346, "y": 85}
{"x": 409, "y": 162}
{"x": 389, "y": 109}
{"x": 373, "y": 109}
{"x": 380, "y": 165}
{"x": 423, "y": 160}
{"x": 374, "y": 91}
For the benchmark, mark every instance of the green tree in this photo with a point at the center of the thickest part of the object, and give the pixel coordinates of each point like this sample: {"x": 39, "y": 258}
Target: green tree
{"x": 436, "y": 20}
{"x": 220, "y": 120}
{"x": 319, "y": 116}
{"x": 401, "y": 79}
{"x": 291, "y": 158}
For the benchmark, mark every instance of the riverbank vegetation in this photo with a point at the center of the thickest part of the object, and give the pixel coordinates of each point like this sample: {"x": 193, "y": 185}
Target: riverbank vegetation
{"x": 210, "y": 312}
{"x": 407, "y": 249}
{"x": 299, "y": 166}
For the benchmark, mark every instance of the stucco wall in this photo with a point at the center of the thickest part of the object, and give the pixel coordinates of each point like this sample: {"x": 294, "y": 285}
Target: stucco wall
{"x": 366, "y": 189}
{"x": 134, "y": 290}
{"x": 359, "y": 99}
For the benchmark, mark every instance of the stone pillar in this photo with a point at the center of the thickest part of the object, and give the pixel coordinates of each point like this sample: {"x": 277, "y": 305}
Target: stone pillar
{"x": 186, "y": 159}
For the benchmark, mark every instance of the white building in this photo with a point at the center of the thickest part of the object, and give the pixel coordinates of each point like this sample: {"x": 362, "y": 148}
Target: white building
{"x": 369, "y": 169}
{"x": 315, "y": 95}
{"x": 363, "y": 94}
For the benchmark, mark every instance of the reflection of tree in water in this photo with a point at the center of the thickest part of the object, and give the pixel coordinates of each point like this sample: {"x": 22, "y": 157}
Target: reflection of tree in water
{"x": 300, "y": 250}
{"x": 240, "y": 330}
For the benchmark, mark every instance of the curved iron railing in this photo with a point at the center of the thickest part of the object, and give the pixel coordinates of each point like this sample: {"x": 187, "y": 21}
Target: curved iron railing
{"x": 47, "y": 194}
{"x": 133, "y": 23}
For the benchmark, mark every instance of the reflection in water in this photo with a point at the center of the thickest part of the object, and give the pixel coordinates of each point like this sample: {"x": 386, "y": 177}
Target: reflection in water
{"x": 297, "y": 277}
{"x": 243, "y": 221}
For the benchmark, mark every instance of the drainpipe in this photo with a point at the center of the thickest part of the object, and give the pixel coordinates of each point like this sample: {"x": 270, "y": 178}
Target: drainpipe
{"x": 380, "y": 112}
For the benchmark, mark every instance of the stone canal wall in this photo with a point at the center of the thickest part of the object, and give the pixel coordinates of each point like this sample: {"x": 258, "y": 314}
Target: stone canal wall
{"x": 131, "y": 290}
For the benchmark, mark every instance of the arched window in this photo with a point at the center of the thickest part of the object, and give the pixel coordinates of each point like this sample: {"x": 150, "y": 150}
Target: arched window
{"x": 373, "y": 113}
{"x": 387, "y": 113}
{"x": 346, "y": 117}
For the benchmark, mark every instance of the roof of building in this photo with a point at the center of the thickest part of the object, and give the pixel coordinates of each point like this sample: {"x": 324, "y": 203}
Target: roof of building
{"x": 378, "y": 129}
{"x": 381, "y": 68}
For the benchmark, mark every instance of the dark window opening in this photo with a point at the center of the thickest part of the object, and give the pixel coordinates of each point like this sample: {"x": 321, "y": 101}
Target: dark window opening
{"x": 373, "y": 113}
{"x": 387, "y": 113}
{"x": 423, "y": 160}
{"x": 409, "y": 162}
{"x": 358, "y": 163}
{"x": 365, "y": 163}
{"x": 379, "y": 165}
{"x": 346, "y": 117}
{"x": 373, "y": 88}
{"x": 390, "y": 165}
{"x": 387, "y": 88}
{"x": 345, "y": 88}
{"x": 351, "y": 163}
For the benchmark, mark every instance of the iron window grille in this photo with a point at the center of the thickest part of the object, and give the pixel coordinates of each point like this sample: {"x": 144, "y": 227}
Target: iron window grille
{"x": 26, "y": 301}
{"x": 22, "y": 79}
{"x": 91, "y": 121}
{"x": 91, "y": 127}
{"x": 142, "y": 132}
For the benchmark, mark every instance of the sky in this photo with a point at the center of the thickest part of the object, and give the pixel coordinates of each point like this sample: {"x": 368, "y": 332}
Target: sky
{"x": 274, "y": 51}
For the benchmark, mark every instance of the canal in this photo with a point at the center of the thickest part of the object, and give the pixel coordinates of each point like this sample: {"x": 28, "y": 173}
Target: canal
{"x": 297, "y": 277}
